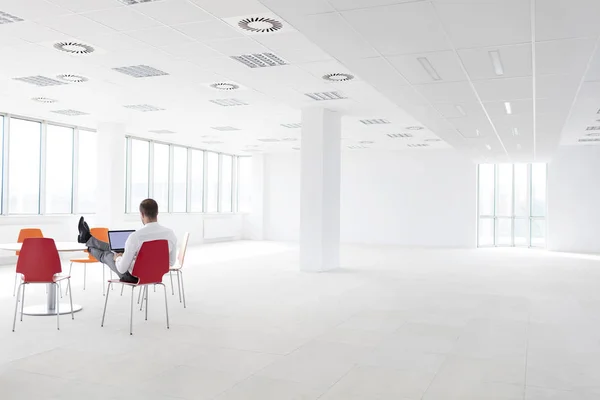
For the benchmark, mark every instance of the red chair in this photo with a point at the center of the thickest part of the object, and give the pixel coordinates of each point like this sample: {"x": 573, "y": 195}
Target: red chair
{"x": 39, "y": 263}
{"x": 150, "y": 266}
{"x": 25, "y": 234}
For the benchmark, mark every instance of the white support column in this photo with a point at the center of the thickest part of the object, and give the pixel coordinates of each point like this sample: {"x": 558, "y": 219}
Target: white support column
{"x": 111, "y": 172}
{"x": 255, "y": 221}
{"x": 320, "y": 167}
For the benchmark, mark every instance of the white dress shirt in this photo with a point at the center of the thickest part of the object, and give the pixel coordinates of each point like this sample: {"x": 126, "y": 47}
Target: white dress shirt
{"x": 150, "y": 231}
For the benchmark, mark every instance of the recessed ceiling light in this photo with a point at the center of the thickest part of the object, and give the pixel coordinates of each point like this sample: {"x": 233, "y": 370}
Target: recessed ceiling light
{"x": 508, "y": 107}
{"x": 400, "y": 135}
{"x": 39, "y": 80}
{"x": 6, "y": 18}
{"x": 228, "y": 102}
{"x": 292, "y": 126}
{"x": 461, "y": 110}
{"x": 415, "y": 128}
{"x": 224, "y": 86}
{"x": 143, "y": 107}
{"x": 260, "y": 60}
{"x": 323, "y": 96}
{"x": 44, "y": 100}
{"x": 74, "y": 47}
{"x": 140, "y": 71}
{"x": 72, "y": 78}
{"x": 260, "y": 24}
{"x": 497, "y": 62}
{"x": 338, "y": 77}
{"x": 487, "y": 146}
{"x": 70, "y": 113}
{"x": 374, "y": 121}
{"x": 162, "y": 132}
{"x": 477, "y": 133}
{"x": 429, "y": 68}
{"x": 515, "y": 132}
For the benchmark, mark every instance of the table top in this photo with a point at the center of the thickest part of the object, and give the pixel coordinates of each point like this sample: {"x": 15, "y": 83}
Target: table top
{"x": 60, "y": 246}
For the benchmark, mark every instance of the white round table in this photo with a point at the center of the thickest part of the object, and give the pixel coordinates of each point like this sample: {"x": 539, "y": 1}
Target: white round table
{"x": 50, "y": 307}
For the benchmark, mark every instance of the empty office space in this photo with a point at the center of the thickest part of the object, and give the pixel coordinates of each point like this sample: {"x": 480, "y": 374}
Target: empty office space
{"x": 300, "y": 199}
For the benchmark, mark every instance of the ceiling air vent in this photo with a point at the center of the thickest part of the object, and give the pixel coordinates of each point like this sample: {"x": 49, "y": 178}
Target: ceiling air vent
{"x": 39, "y": 80}
{"x": 74, "y": 47}
{"x": 225, "y": 86}
{"x": 433, "y": 140}
{"x": 357, "y": 147}
{"x": 268, "y": 140}
{"x": 140, "y": 71}
{"x": 228, "y": 102}
{"x": 143, "y": 107}
{"x": 260, "y": 24}
{"x": 162, "y": 132}
{"x": 296, "y": 148}
{"x": 589, "y": 140}
{"x": 374, "y": 121}
{"x": 45, "y": 100}
{"x": 593, "y": 128}
{"x": 418, "y": 145}
{"x": 289, "y": 139}
{"x": 6, "y": 18}
{"x": 70, "y": 113}
{"x": 338, "y": 77}
{"x": 415, "y": 128}
{"x": 72, "y": 78}
{"x": 133, "y": 2}
{"x": 593, "y": 134}
{"x": 292, "y": 126}
{"x": 225, "y": 128}
{"x": 260, "y": 60}
{"x": 400, "y": 135}
{"x": 322, "y": 96}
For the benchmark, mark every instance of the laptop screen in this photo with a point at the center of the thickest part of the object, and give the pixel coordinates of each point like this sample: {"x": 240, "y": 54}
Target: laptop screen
{"x": 117, "y": 239}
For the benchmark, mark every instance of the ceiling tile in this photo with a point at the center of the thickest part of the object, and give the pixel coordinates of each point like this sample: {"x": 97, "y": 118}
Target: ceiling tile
{"x": 76, "y": 26}
{"x": 497, "y": 109}
{"x": 487, "y": 24}
{"x": 451, "y": 92}
{"x": 473, "y": 127}
{"x": 79, "y": 6}
{"x": 160, "y": 37}
{"x": 208, "y": 30}
{"x": 460, "y": 110}
{"x": 378, "y": 71}
{"x": 31, "y": 32}
{"x": 343, "y": 5}
{"x": 322, "y": 68}
{"x": 122, "y": 19}
{"x": 444, "y": 63}
{"x": 561, "y": 19}
{"x": 293, "y": 47}
{"x": 557, "y": 86}
{"x": 289, "y": 8}
{"x": 32, "y": 9}
{"x": 593, "y": 72}
{"x": 193, "y": 50}
{"x": 237, "y": 46}
{"x": 231, "y": 8}
{"x": 173, "y": 12}
{"x": 569, "y": 56}
{"x": 515, "y": 60}
{"x": 400, "y": 29}
{"x": 506, "y": 89}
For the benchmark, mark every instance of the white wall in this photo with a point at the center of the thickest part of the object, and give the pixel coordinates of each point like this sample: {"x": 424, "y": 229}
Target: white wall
{"x": 574, "y": 200}
{"x": 424, "y": 198}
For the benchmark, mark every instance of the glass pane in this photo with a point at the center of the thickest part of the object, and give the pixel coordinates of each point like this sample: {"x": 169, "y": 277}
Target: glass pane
{"x": 522, "y": 232}
{"x": 538, "y": 190}
{"x": 521, "y": 191}
{"x": 226, "y": 183}
{"x": 505, "y": 191}
{"x": 197, "y": 181}
{"x": 140, "y": 159}
{"x": 86, "y": 179}
{"x": 504, "y": 232}
{"x": 486, "y": 189}
{"x": 59, "y": 170}
{"x": 161, "y": 176}
{"x": 486, "y": 232}
{"x": 538, "y": 233}
{"x": 212, "y": 184}
{"x": 180, "y": 162}
{"x": 245, "y": 184}
{"x": 24, "y": 167}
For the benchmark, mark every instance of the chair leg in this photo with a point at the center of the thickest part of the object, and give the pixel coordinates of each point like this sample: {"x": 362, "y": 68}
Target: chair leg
{"x": 179, "y": 286}
{"x": 166, "y": 305}
{"x": 17, "y": 305}
{"x": 15, "y": 286}
{"x": 131, "y": 312}
{"x": 171, "y": 277}
{"x": 69, "y": 286}
{"x": 146, "y": 303}
{"x": 70, "y": 297}
{"x": 105, "y": 303}
{"x": 143, "y": 290}
{"x": 140, "y": 296}
{"x": 103, "y": 281}
{"x": 57, "y": 308}
{"x": 122, "y": 288}
{"x": 180, "y": 276}
{"x": 23, "y": 301}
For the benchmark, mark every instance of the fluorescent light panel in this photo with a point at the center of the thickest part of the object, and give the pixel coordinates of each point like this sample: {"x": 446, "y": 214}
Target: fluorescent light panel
{"x": 515, "y": 132}
{"x": 497, "y": 62}
{"x": 508, "y": 107}
{"x": 487, "y": 146}
{"x": 429, "y": 68}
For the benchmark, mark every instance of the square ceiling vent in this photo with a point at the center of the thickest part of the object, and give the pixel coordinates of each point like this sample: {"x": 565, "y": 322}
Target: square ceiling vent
{"x": 593, "y": 128}
{"x": 374, "y": 121}
{"x": 143, "y": 107}
{"x": 324, "y": 96}
{"x": 228, "y": 102}
{"x": 140, "y": 71}
{"x": 260, "y": 60}
{"x": 589, "y": 140}
{"x": 418, "y": 145}
{"x": 70, "y": 113}
{"x": 6, "y": 18}
{"x": 39, "y": 80}
{"x": 292, "y": 126}
{"x": 400, "y": 135}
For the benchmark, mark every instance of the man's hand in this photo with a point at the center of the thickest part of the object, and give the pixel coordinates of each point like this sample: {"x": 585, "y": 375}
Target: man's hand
{"x": 117, "y": 255}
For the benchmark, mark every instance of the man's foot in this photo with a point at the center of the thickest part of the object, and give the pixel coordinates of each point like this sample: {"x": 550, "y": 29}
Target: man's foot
{"x": 128, "y": 278}
{"x": 84, "y": 231}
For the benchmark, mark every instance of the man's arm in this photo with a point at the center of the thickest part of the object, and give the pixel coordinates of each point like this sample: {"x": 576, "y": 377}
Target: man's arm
{"x": 124, "y": 262}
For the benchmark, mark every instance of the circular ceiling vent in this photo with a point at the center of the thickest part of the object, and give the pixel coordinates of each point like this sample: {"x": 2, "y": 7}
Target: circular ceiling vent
{"x": 224, "y": 86}
{"x": 44, "y": 100}
{"x": 260, "y": 24}
{"x": 415, "y": 128}
{"x": 74, "y": 47}
{"x": 72, "y": 78}
{"x": 338, "y": 77}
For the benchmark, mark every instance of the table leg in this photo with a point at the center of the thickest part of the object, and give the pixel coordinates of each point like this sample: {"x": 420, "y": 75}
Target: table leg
{"x": 50, "y": 307}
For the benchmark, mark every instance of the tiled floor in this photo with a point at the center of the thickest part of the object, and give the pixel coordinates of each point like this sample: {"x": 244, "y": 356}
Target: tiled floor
{"x": 392, "y": 324}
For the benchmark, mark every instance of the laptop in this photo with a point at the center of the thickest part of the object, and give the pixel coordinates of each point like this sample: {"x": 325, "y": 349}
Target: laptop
{"x": 117, "y": 239}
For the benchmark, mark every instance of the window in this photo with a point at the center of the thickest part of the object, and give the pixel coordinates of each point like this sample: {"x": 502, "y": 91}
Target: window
{"x": 87, "y": 180}
{"x": 24, "y": 166}
{"x": 197, "y": 181}
{"x": 226, "y": 194}
{"x": 244, "y": 184}
{"x": 2, "y": 161}
{"x": 212, "y": 182}
{"x": 59, "y": 170}
{"x": 160, "y": 181}
{"x": 180, "y": 162}
{"x": 512, "y": 205}
{"x": 139, "y": 155}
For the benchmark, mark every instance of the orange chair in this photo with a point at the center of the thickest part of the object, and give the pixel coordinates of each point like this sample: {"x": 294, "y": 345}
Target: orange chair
{"x": 100, "y": 234}
{"x": 26, "y": 234}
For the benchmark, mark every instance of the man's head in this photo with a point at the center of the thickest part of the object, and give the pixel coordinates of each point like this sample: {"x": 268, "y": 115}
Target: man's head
{"x": 149, "y": 211}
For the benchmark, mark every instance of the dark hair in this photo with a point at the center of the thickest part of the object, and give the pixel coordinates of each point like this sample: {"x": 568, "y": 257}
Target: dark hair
{"x": 149, "y": 208}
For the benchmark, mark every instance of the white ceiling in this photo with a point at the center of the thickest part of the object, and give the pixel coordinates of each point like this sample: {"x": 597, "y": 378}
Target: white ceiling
{"x": 416, "y": 63}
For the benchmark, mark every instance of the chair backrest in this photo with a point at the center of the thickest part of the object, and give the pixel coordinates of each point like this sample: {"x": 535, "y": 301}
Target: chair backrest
{"x": 39, "y": 260}
{"x": 100, "y": 234}
{"x": 152, "y": 262}
{"x": 29, "y": 233}
{"x": 183, "y": 248}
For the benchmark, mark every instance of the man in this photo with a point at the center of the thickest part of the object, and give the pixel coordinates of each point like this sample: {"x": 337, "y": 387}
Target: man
{"x": 122, "y": 264}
